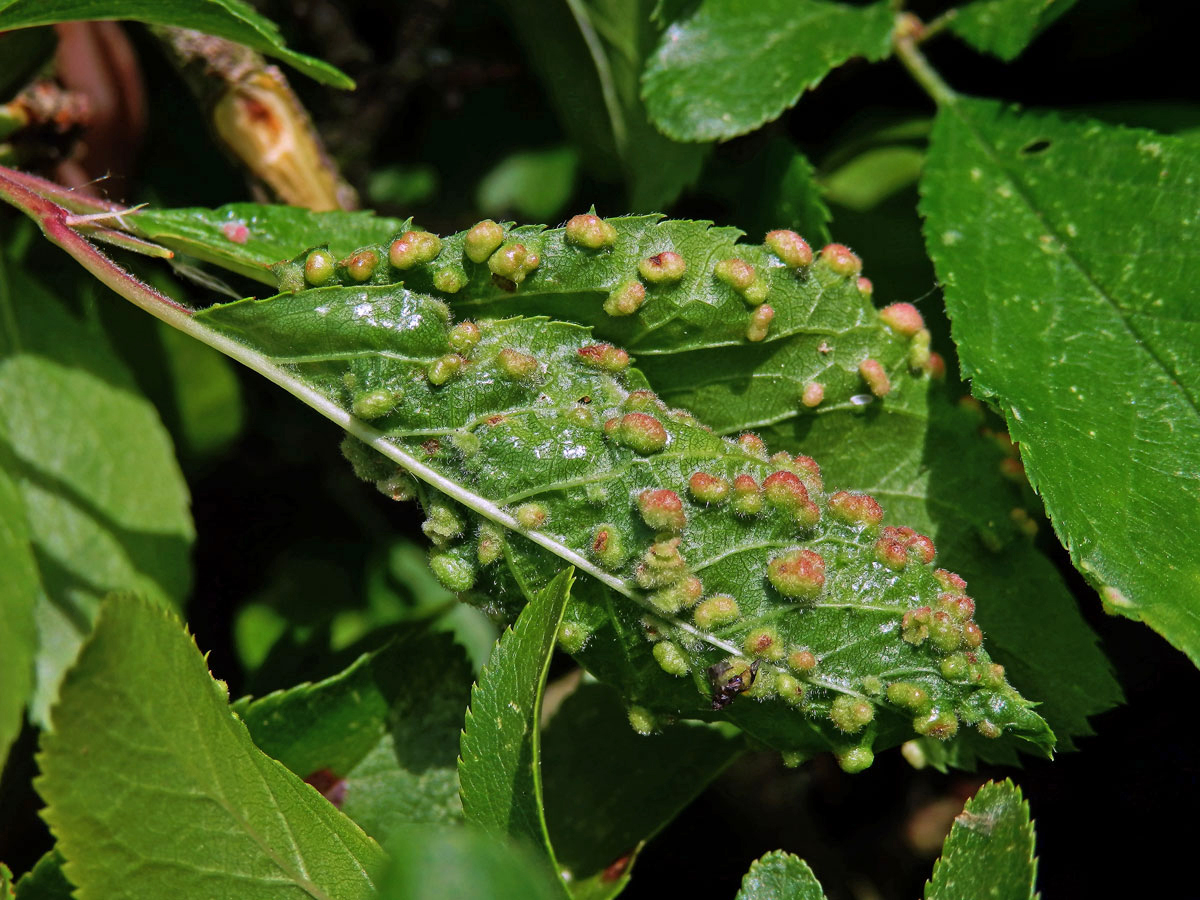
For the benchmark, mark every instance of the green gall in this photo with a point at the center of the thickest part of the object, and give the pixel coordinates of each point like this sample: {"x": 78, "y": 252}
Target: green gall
{"x": 590, "y": 231}
{"x": 760, "y": 324}
{"x": 662, "y": 510}
{"x": 855, "y": 509}
{"x": 361, "y": 264}
{"x": 872, "y": 685}
{"x": 451, "y": 568}
{"x": 531, "y": 516}
{"x": 851, "y": 714}
{"x": 914, "y": 625}
{"x": 706, "y": 488}
{"x": 914, "y": 754}
{"x": 841, "y": 260}
{"x": 509, "y": 262}
{"x": 876, "y": 378}
{"x": 604, "y": 357}
{"x": 640, "y": 432}
{"x": 444, "y": 368}
{"x": 956, "y": 667}
{"x": 578, "y": 415}
{"x": 855, "y": 760}
{"x": 368, "y": 463}
{"x": 662, "y": 565}
{"x": 626, "y": 298}
{"x": 988, "y": 729}
{"x": 752, "y": 444}
{"x": 642, "y": 720}
{"x": 464, "y": 336}
{"x": 671, "y": 658}
{"x": 490, "y": 547}
{"x": 482, "y": 240}
{"x": 802, "y": 660}
{"x": 764, "y": 643}
{"x": 643, "y": 400}
{"x": 809, "y": 471}
{"x": 573, "y": 636}
{"x": 516, "y": 365}
{"x": 781, "y": 460}
{"x": 449, "y": 281}
{"x": 797, "y": 574}
{"x": 465, "y": 442}
{"x": 814, "y": 393}
{"x": 715, "y": 611}
{"x": 903, "y": 318}
{"x": 793, "y": 251}
{"x": 747, "y": 497}
{"x": 790, "y": 689}
{"x": 318, "y": 267}
{"x": 400, "y": 486}
{"x": 373, "y": 404}
{"x": 757, "y": 293}
{"x": 413, "y": 248}
{"x": 918, "y": 350}
{"x": 992, "y": 676}
{"x": 865, "y": 287}
{"x": 737, "y": 273}
{"x": 945, "y": 631}
{"x": 683, "y": 594}
{"x": 909, "y": 696}
{"x": 443, "y": 525}
{"x": 936, "y": 724}
{"x": 662, "y": 268}
{"x": 608, "y": 547}
{"x": 289, "y": 276}
{"x": 596, "y": 493}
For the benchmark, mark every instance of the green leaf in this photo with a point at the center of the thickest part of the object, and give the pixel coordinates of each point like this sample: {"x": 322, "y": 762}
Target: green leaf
{"x": 384, "y": 731}
{"x": 922, "y": 456}
{"x": 728, "y": 66}
{"x": 609, "y": 790}
{"x": 430, "y": 862}
{"x": 989, "y": 852}
{"x": 18, "y": 636}
{"x": 154, "y": 788}
{"x": 1006, "y": 27}
{"x": 46, "y": 881}
{"x": 871, "y": 177}
{"x": 780, "y": 876}
{"x": 6, "y": 888}
{"x": 534, "y": 184}
{"x": 232, "y": 19}
{"x": 500, "y": 768}
{"x": 1046, "y": 326}
{"x": 589, "y": 54}
{"x": 105, "y": 503}
{"x": 485, "y": 438}
{"x": 272, "y": 233}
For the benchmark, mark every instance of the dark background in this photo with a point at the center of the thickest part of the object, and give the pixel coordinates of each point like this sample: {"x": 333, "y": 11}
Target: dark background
{"x": 443, "y": 85}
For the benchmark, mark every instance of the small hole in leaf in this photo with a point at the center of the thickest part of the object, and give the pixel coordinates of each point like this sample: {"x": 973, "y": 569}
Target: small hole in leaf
{"x": 1035, "y": 147}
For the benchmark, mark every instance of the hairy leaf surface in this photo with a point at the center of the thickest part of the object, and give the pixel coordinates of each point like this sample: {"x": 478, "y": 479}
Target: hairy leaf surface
{"x": 780, "y": 876}
{"x": 232, "y": 19}
{"x": 154, "y": 788}
{"x": 726, "y": 66}
{"x": 379, "y": 739}
{"x": 515, "y": 431}
{"x": 1082, "y": 328}
{"x": 989, "y": 852}
{"x": 18, "y": 599}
